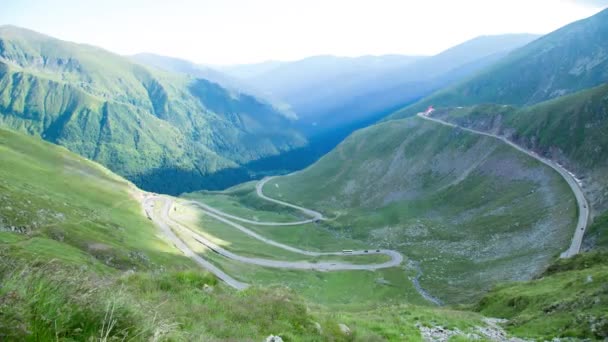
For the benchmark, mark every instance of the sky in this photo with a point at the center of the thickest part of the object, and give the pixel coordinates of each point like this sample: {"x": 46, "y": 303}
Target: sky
{"x": 220, "y": 32}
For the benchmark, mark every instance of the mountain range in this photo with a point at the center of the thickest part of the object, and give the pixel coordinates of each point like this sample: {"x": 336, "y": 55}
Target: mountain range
{"x": 342, "y": 90}
{"x": 147, "y": 125}
{"x": 449, "y": 217}
{"x": 569, "y": 59}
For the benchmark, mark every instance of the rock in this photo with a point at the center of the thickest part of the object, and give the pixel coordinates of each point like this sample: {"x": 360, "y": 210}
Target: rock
{"x": 438, "y": 333}
{"x": 273, "y": 338}
{"x": 318, "y": 327}
{"x": 207, "y": 288}
{"x": 344, "y": 329}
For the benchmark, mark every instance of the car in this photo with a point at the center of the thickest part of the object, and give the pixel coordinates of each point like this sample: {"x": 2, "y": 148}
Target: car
{"x": 377, "y": 251}
{"x": 365, "y": 251}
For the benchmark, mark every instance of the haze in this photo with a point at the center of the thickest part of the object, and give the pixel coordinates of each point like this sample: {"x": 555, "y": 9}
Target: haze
{"x": 241, "y": 31}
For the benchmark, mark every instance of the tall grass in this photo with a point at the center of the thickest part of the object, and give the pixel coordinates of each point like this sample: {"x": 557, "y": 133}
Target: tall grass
{"x": 49, "y": 301}
{"x": 46, "y": 302}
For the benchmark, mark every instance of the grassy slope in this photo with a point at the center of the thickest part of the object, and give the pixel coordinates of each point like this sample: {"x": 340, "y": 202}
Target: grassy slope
{"x": 570, "y": 129}
{"x": 61, "y": 275}
{"x": 78, "y": 228}
{"x": 47, "y": 192}
{"x": 143, "y": 124}
{"x": 597, "y": 234}
{"x": 563, "y": 301}
{"x": 569, "y": 300}
{"x": 469, "y": 209}
{"x": 68, "y": 230}
{"x": 562, "y": 62}
{"x": 238, "y": 242}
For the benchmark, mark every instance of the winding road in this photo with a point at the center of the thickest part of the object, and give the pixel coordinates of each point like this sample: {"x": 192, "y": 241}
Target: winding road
{"x": 315, "y": 215}
{"x": 148, "y": 204}
{"x": 396, "y": 258}
{"x": 583, "y": 206}
{"x": 165, "y": 222}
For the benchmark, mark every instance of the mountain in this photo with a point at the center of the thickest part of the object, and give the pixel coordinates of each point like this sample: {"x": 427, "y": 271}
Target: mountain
{"x": 569, "y": 129}
{"x": 77, "y": 251}
{"x": 147, "y": 125}
{"x": 340, "y": 90}
{"x": 345, "y": 94}
{"x": 549, "y": 96}
{"x": 468, "y": 211}
{"x": 233, "y": 84}
{"x": 570, "y": 59}
{"x": 327, "y": 82}
{"x": 248, "y": 71}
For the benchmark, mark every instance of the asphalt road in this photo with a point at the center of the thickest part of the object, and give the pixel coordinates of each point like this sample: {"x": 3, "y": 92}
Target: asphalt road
{"x": 396, "y": 258}
{"x": 260, "y": 186}
{"x": 165, "y": 222}
{"x": 315, "y": 215}
{"x": 583, "y": 206}
{"x": 148, "y": 204}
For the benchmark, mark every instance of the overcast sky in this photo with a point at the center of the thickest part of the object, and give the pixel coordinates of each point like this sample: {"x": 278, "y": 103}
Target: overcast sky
{"x": 246, "y": 31}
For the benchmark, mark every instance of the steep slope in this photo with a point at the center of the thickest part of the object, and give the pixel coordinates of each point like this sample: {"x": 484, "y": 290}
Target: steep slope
{"x": 65, "y": 206}
{"x": 570, "y": 130}
{"x": 145, "y": 125}
{"x": 178, "y": 65}
{"x": 77, "y": 252}
{"x": 80, "y": 261}
{"x": 567, "y": 301}
{"x": 468, "y": 210}
{"x": 565, "y": 61}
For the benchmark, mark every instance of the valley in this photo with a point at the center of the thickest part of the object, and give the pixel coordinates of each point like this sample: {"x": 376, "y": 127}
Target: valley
{"x": 466, "y": 198}
{"x": 459, "y": 194}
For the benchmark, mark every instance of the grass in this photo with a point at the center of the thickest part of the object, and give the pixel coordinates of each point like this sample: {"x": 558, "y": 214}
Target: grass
{"x": 337, "y": 291}
{"x": 240, "y": 243}
{"x": 569, "y": 300}
{"x": 47, "y": 192}
{"x": 80, "y": 262}
{"x": 59, "y": 303}
{"x": 242, "y": 201}
{"x": 596, "y": 236}
{"x": 442, "y": 197}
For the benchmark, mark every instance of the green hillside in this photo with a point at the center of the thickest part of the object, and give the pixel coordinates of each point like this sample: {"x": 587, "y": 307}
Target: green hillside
{"x": 570, "y": 129}
{"x": 144, "y": 124}
{"x": 81, "y": 262}
{"x": 570, "y": 59}
{"x": 468, "y": 209}
{"x": 566, "y": 301}
{"x": 75, "y": 208}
